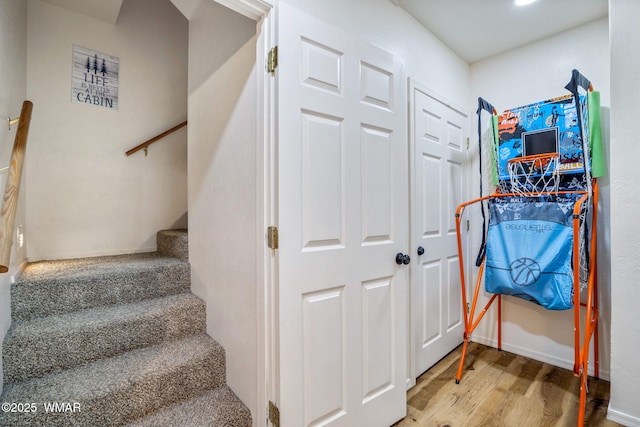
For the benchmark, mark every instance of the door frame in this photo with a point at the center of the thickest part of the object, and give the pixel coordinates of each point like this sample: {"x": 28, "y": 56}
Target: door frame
{"x": 252, "y": 9}
{"x": 412, "y": 86}
{"x": 266, "y": 207}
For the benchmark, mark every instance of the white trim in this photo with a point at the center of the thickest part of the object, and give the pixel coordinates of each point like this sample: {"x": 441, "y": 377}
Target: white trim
{"x": 16, "y": 275}
{"x": 265, "y": 205}
{"x": 271, "y": 257}
{"x": 411, "y": 344}
{"x": 622, "y": 418}
{"x": 253, "y": 9}
{"x": 443, "y": 100}
{"x": 93, "y": 253}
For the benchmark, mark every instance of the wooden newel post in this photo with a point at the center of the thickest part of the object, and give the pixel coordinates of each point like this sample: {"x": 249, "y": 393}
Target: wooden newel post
{"x": 12, "y": 187}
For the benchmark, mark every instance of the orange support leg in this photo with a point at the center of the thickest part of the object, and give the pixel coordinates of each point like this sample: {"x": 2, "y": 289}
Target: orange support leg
{"x": 593, "y": 264}
{"x": 464, "y": 352}
{"x": 500, "y": 322}
{"x": 583, "y": 396}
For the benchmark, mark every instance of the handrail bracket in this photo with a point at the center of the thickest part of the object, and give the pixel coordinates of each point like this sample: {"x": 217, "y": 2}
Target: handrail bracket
{"x": 145, "y": 145}
{"x": 12, "y": 121}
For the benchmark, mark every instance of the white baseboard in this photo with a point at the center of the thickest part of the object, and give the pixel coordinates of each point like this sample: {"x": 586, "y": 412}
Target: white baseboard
{"x": 410, "y": 383}
{"x": 542, "y": 357}
{"x": 622, "y": 418}
{"x": 19, "y": 271}
{"x": 90, "y": 254}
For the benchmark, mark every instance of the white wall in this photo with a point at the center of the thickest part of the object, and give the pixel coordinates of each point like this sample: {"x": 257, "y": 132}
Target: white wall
{"x": 624, "y": 16}
{"x": 528, "y": 74}
{"x": 13, "y": 63}
{"x": 85, "y": 196}
{"x": 223, "y": 186}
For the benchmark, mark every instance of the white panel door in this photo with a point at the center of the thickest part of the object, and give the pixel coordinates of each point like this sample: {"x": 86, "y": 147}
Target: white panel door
{"x": 439, "y": 137}
{"x": 343, "y": 214}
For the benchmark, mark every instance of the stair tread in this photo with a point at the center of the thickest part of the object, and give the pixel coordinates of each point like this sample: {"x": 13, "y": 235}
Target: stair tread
{"x": 47, "y": 344}
{"x": 217, "y": 407}
{"x": 103, "y": 375}
{"x": 55, "y": 287}
{"x": 78, "y": 268}
{"x": 100, "y": 316}
{"x": 120, "y": 388}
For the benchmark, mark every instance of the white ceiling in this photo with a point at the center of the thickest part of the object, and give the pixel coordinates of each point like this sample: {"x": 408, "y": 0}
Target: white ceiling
{"x": 474, "y": 29}
{"x": 478, "y": 29}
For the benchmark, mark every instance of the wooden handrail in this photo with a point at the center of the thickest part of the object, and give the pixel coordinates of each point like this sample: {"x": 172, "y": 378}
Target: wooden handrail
{"x": 145, "y": 144}
{"x": 12, "y": 186}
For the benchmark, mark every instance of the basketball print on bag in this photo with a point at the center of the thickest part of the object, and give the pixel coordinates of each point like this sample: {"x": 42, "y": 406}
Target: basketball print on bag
{"x": 525, "y": 271}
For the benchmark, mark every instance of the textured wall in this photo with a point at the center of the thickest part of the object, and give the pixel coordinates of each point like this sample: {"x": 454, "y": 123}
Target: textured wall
{"x": 223, "y": 186}
{"x": 624, "y": 16}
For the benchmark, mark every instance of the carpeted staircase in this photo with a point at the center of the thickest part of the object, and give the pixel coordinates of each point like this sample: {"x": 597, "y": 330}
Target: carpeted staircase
{"x": 112, "y": 341}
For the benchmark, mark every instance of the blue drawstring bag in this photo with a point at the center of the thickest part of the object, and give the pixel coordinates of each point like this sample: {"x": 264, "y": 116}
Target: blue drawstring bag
{"x": 531, "y": 258}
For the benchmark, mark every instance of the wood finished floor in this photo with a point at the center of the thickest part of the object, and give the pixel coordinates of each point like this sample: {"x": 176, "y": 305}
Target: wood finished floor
{"x": 499, "y": 388}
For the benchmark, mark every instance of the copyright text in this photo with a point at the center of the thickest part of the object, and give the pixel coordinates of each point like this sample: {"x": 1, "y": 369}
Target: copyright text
{"x": 50, "y": 407}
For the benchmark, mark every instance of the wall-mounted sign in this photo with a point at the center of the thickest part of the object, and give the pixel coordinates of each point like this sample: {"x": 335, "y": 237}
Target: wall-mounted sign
{"x": 94, "y": 78}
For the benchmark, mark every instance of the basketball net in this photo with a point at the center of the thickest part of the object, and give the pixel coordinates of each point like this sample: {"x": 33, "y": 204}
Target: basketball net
{"x": 537, "y": 175}
{"x": 582, "y": 246}
{"x": 532, "y": 175}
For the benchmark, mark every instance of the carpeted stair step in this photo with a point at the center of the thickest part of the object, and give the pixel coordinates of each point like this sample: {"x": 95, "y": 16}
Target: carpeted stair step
{"x": 121, "y": 389}
{"x": 36, "y": 347}
{"x": 215, "y": 408}
{"x": 174, "y": 243}
{"x": 55, "y": 287}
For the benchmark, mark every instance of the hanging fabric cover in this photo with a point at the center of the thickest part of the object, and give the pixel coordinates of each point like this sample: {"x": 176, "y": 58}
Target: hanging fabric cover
{"x": 529, "y": 250}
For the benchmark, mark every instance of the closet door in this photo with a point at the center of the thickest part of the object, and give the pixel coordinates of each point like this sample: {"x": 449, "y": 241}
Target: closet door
{"x": 439, "y": 137}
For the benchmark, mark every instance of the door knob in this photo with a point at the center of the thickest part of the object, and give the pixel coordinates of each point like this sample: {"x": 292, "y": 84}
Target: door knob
{"x": 402, "y": 259}
{"x": 420, "y": 250}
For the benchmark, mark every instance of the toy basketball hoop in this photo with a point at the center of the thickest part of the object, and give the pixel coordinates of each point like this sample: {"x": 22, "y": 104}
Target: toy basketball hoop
{"x": 535, "y": 174}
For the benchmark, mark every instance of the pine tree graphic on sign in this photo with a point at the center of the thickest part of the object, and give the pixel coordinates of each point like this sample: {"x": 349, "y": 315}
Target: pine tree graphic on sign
{"x": 94, "y": 78}
{"x": 103, "y": 68}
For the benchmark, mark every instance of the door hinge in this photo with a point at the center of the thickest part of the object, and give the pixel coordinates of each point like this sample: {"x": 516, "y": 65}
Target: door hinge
{"x": 467, "y": 225}
{"x": 272, "y": 237}
{"x": 468, "y": 309}
{"x": 467, "y": 143}
{"x": 272, "y": 60}
{"x": 274, "y": 414}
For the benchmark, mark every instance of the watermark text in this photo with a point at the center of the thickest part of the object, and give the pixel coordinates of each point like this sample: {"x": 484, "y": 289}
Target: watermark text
{"x": 48, "y": 407}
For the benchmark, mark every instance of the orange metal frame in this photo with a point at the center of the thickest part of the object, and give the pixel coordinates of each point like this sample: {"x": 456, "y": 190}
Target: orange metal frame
{"x": 581, "y": 346}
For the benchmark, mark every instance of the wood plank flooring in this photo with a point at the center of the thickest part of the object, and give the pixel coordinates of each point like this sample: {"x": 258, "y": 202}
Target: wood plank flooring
{"x": 499, "y": 388}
